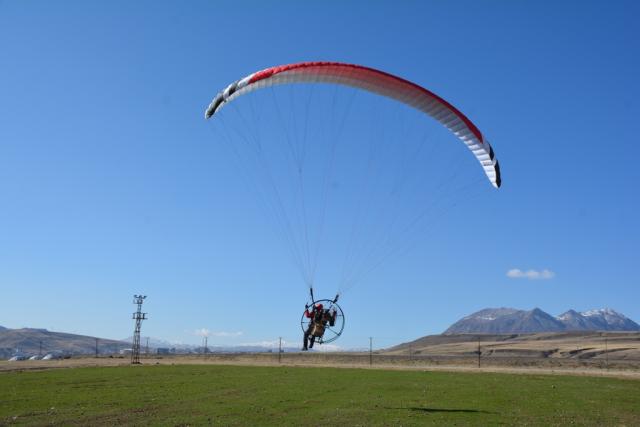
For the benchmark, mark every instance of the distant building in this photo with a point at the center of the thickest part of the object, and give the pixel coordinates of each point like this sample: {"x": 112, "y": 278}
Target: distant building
{"x": 18, "y": 358}
{"x": 126, "y": 351}
{"x": 163, "y": 351}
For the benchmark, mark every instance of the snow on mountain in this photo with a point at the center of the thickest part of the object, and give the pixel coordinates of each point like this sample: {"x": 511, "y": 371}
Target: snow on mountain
{"x": 508, "y": 320}
{"x": 608, "y": 319}
{"x": 504, "y": 321}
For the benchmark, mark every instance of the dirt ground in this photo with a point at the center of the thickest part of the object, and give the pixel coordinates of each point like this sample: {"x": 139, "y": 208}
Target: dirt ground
{"x": 339, "y": 360}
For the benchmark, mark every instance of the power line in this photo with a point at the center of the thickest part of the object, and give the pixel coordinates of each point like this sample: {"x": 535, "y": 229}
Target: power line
{"x": 138, "y": 316}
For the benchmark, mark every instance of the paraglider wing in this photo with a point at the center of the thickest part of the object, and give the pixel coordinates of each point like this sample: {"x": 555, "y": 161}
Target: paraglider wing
{"x": 375, "y": 81}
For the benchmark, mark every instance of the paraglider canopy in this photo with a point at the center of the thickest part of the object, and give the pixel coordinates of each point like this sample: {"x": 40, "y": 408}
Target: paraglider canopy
{"x": 375, "y": 81}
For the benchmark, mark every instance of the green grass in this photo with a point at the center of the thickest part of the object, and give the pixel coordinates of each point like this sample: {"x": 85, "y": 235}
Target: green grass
{"x": 258, "y": 396}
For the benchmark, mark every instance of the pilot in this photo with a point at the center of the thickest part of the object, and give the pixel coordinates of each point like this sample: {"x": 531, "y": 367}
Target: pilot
{"x": 320, "y": 317}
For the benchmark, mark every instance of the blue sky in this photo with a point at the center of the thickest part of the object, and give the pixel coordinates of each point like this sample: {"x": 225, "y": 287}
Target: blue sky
{"x": 111, "y": 183}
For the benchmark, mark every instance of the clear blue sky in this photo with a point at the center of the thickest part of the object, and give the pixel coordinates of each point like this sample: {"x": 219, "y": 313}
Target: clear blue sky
{"x": 111, "y": 184}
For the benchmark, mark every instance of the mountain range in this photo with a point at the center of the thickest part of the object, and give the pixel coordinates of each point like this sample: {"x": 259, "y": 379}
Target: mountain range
{"x": 36, "y": 341}
{"x": 512, "y": 321}
{"x": 487, "y": 321}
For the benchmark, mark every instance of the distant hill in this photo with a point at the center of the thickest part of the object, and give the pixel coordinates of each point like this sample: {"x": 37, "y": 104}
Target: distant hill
{"x": 577, "y": 345}
{"x": 513, "y": 321}
{"x": 28, "y": 341}
{"x": 598, "y": 320}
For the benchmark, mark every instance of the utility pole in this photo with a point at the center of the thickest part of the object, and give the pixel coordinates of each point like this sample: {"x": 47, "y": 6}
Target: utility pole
{"x": 479, "y": 352}
{"x": 206, "y": 350}
{"x": 370, "y": 351}
{"x": 138, "y": 316}
{"x": 280, "y": 350}
{"x": 40, "y": 351}
{"x": 606, "y": 353}
{"x": 96, "y": 348}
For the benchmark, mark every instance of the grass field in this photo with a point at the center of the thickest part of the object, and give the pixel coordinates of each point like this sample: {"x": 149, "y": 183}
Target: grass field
{"x": 243, "y": 395}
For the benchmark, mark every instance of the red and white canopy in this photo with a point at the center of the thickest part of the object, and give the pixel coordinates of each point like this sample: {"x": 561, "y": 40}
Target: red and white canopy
{"x": 375, "y": 81}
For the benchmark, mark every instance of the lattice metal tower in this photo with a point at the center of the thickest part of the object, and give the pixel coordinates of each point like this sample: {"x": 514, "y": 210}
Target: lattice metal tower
{"x": 138, "y": 316}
